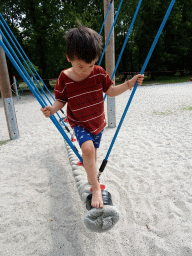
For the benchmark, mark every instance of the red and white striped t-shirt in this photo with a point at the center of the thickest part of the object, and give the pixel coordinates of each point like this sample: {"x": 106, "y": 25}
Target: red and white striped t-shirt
{"x": 85, "y": 99}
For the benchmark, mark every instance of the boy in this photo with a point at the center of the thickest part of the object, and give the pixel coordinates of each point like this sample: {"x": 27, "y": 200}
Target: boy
{"x": 82, "y": 87}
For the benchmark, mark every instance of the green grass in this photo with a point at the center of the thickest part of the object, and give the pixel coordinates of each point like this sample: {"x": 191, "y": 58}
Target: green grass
{"x": 23, "y": 85}
{"x": 161, "y": 79}
{"x": 52, "y": 83}
{"x": 3, "y": 142}
{"x": 165, "y": 113}
{"x": 170, "y": 112}
{"x": 167, "y": 79}
{"x": 186, "y": 108}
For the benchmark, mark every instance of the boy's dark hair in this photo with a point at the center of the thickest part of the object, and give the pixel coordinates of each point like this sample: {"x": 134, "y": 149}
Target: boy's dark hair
{"x": 83, "y": 43}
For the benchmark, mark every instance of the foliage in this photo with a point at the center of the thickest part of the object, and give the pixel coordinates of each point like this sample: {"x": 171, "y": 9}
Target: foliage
{"x": 40, "y": 28}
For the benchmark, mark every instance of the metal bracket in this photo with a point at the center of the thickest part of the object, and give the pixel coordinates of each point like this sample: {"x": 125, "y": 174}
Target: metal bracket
{"x": 11, "y": 118}
{"x": 111, "y": 112}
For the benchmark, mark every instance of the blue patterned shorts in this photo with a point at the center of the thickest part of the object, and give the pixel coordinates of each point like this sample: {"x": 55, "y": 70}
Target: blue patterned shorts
{"x": 83, "y": 135}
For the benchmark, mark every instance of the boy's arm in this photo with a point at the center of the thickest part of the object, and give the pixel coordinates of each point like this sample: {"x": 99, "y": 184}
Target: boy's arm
{"x": 57, "y": 105}
{"x": 119, "y": 89}
{"x": 51, "y": 110}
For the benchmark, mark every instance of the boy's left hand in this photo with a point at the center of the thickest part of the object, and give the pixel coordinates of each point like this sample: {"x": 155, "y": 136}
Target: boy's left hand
{"x": 138, "y": 78}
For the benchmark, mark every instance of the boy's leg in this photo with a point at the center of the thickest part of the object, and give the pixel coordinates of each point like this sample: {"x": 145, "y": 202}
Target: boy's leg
{"x": 89, "y": 162}
{"x": 96, "y": 156}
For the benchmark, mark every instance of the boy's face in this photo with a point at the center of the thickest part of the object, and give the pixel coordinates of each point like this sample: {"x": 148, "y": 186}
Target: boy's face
{"x": 81, "y": 68}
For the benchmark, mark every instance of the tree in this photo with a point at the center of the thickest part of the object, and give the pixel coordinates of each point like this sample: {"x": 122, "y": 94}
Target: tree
{"x": 40, "y": 27}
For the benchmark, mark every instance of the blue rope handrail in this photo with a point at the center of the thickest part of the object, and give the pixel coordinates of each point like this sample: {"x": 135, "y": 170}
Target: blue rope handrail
{"x": 110, "y": 32}
{"x": 125, "y": 42}
{"x": 102, "y": 167}
{"x": 105, "y": 17}
{"x": 20, "y": 64}
{"x": 41, "y": 102}
{"x": 9, "y": 31}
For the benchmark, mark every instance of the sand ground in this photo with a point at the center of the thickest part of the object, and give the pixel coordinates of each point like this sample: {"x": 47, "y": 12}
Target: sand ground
{"x": 149, "y": 175}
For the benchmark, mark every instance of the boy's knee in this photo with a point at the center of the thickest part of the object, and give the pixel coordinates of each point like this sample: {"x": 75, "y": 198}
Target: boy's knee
{"x": 88, "y": 148}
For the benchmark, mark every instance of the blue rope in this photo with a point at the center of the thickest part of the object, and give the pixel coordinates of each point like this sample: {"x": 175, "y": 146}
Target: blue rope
{"x": 9, "y": 46}
{"x": 21, "y": 65}
{"x": 125, "y": 42}
{"x": 110, "y": 32}
{"x": 136, "y": 84}
{"x": 41, "y": 102}
{"x": 25, "y": 55}
{"x": 28, "y": 65}
{"x": 105, "y": 17}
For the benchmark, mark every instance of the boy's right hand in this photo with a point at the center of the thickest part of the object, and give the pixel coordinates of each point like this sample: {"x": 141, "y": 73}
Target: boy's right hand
{"x": 47, "y": 111}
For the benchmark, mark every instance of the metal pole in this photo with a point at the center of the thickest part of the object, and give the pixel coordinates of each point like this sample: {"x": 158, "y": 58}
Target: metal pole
{"x": 7, "y": 97}
{"x": 15, "y": 87}
{"x": 110, "y": 60}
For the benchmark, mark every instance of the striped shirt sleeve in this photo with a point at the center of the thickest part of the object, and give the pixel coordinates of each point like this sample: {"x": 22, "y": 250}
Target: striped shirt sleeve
{"x": 60, "y": 89}
{"x": 107, "y": 82}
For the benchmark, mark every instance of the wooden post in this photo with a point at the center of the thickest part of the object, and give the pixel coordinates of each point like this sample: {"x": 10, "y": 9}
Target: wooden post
{"x": 110, "y": 60}
{"x": 7, "y": 97}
